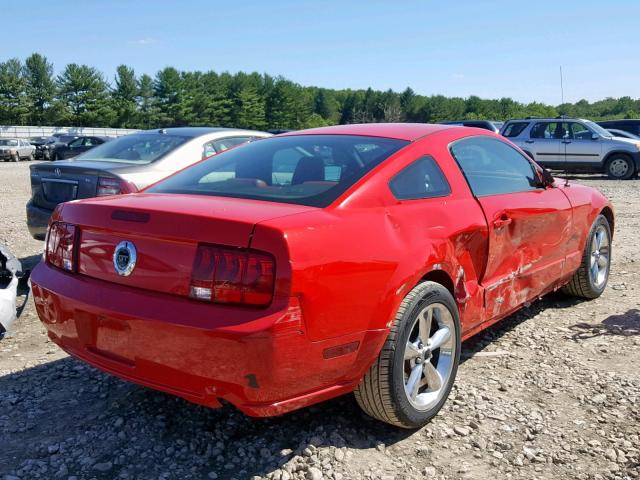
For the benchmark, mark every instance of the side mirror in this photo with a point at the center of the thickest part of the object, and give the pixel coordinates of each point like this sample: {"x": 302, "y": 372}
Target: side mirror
{"x": 595, "y": 136}
{"x": 546, "y": 177}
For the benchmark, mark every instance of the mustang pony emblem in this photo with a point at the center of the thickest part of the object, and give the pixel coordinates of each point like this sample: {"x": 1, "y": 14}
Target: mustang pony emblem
{"x": 124, "y": 258}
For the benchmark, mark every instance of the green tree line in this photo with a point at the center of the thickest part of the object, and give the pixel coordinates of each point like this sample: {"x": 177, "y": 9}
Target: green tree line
{"x": 31, "y": 94}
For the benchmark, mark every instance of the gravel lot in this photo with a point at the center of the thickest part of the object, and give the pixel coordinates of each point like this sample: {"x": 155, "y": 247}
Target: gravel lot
{"x": 552, "y": 392}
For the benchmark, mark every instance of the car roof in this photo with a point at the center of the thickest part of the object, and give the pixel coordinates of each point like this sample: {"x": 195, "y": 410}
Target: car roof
{"x": 400, "y": 131}
{"x": 547, "y": 119}
{"x": 192, "y": 131}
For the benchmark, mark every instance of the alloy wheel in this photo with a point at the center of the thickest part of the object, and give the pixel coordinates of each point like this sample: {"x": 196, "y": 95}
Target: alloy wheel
{"x": 600, "y": 256}
{"x": 429, "y": 356}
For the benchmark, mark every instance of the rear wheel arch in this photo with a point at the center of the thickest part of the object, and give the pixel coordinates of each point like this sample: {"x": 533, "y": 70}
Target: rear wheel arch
{"x": 608, "y": 214}
{"x": 441, "y": 277}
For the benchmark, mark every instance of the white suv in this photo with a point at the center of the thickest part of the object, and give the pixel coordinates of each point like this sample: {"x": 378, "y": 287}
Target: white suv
{"x": 574, "y": 144}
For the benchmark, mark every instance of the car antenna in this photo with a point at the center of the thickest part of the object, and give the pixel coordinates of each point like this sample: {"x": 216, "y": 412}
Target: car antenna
{"x": 566, "y": 166}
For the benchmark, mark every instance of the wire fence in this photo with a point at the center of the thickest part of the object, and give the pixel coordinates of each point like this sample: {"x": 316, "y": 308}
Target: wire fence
{"x": 9, "y": 131}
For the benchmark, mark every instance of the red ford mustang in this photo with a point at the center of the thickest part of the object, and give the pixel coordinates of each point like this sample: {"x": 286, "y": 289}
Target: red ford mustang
{"x": 309, "y": 265}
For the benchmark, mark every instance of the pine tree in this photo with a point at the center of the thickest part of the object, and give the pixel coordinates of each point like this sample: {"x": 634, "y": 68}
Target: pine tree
{"x": 40, "y": 87}
{"x": 124, "y": 97}
{"x": 249, "y": 110}
{"x": 145, "y": 99}
{"x": 13, "y": 100}
{"x": 83, "y": 92}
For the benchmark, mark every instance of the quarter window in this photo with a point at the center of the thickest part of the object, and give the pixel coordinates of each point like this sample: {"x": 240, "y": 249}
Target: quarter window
{"x": 493, "y": 167}
{"x": 514, "y": 129}
{"x": 422, "y": 179}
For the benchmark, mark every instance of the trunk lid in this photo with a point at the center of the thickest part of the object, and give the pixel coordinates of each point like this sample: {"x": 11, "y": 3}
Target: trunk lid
{"x": 56, "y": 182}
{"x": 165, "y": 230}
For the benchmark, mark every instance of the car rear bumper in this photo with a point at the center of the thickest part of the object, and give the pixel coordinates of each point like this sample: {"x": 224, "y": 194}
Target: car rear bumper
{"x": 37, "y": 220}
{"x": 195, "y": 350}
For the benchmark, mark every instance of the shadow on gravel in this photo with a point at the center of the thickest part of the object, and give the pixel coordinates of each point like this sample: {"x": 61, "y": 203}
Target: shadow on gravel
{"x": 625, "y": 325}
{"x": 90, "y": 420}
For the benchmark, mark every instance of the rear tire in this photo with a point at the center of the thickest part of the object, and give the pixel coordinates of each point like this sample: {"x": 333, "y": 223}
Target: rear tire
{"x": 620, "y": 167}
{"x": 30, "y": 157}
{"x": 411, "y": 379}
{"x": 590, "y": 280}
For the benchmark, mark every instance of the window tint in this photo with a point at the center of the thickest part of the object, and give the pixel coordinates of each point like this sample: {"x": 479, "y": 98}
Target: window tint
{"x": 514, "y": 129}
{"x": 422, "y": 179}
{"x": 492, "y": 167}
{"x": 550, "y": 130}
{"x": 76, "y": 143}
{"x": 303, "y": 169}
{"x": 222, "y": 144}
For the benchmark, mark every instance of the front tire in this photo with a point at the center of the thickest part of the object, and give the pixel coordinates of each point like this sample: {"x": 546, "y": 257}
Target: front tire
{"x": 590, "y": 280}
{"x": 411, "y": 379}
{"x": 16, "y": 157}
{"x": 620, "y": 167}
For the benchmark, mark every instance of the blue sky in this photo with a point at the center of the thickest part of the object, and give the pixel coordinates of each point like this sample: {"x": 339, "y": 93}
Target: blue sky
{"x": 488, "y": 48}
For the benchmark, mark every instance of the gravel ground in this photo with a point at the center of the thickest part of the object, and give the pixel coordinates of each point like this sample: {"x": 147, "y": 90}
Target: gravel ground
{"x": 549, "y": 393}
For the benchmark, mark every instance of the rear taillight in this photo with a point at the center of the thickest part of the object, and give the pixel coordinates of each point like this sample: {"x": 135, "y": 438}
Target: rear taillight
{"x": 114, "y": 186}
{"x": 61, "y": 246}
{"x": 225, "y": 275}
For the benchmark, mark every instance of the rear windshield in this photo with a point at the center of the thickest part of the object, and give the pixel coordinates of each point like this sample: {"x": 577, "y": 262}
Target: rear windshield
{"x": 309, "y": 170}
{"x": 137, "y": 148}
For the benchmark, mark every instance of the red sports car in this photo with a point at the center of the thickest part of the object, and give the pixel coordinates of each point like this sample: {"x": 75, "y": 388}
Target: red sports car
{"x": 316, "y": 263}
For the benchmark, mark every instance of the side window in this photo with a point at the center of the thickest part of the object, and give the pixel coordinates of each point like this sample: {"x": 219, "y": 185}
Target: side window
{"x": 549, "y": 130}
{"x": 579, "y": 132}
{"x": 514, "y": 129}
{"x": 493, "y": 167}
{"x": 422, "y": 179}
{"x": 76, "y": 143}
{"x": 222, "y": 144}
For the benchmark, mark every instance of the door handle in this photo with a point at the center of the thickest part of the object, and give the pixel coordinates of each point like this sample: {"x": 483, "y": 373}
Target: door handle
{"x": 502, "y": 221}
{"x": 528, "y": 141}
{"x": 566, "y": 141}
